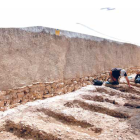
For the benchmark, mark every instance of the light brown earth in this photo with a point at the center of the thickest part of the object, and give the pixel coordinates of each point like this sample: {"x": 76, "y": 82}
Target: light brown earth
{"x": 90, "y": 113}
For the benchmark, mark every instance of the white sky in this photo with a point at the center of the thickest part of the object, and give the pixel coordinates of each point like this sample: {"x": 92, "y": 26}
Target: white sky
{"x": 122, "y": 23}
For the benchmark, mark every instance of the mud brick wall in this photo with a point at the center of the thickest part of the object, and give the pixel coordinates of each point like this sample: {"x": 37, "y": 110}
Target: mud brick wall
{"x": 13, "y": 97}
{"x": 35, "y": 63}
{"x": 36, "y": 54}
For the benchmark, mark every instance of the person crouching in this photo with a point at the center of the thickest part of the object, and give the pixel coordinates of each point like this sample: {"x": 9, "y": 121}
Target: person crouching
{"x": 115, "y": 74}
{"x": 137, "y": 77}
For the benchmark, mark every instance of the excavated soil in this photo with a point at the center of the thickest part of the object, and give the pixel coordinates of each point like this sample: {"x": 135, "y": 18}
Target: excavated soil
{"x": 90, "y": 113}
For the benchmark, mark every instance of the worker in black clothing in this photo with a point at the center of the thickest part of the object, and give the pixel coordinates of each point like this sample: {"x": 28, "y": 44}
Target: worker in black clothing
{"x": 137, "y": 78}
{"x": 116, "y": 73}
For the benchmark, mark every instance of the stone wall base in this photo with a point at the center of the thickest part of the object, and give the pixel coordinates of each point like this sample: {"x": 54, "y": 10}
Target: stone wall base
{"x": 13, "y": 97}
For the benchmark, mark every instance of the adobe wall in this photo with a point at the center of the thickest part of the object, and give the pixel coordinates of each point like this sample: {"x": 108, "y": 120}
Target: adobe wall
{"x": 36, "y": 54}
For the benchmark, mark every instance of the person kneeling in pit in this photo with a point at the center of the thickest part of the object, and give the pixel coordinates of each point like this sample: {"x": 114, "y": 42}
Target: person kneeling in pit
{"x": 115, "y": 74}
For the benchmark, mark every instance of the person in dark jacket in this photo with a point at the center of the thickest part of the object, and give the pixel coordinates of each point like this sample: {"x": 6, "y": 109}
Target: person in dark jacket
{"x": 137, "y": 78}
{"x": 116, "y": 73}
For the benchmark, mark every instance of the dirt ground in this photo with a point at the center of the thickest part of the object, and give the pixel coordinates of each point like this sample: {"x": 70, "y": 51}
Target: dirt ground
{"x": 90, "y": 113}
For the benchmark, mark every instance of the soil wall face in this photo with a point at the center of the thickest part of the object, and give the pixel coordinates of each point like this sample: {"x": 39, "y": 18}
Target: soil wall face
{"x": 28, "y": 56}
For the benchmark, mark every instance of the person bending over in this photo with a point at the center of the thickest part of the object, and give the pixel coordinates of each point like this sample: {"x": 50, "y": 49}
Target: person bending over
{"x": 137, "y": 78}
{"x": 116, "y": 73}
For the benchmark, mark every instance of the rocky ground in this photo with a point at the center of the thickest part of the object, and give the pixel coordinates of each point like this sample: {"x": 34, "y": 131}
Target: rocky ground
{"x": 90, "y": 113}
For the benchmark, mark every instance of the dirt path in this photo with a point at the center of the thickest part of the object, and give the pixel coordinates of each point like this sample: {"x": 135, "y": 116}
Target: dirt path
{"x": 91, "y": 113}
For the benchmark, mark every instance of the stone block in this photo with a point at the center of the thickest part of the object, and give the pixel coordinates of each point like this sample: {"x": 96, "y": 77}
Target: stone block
{"x": 80, "y": 84}
{"x": 20, "y": 95}
{"x": 86, "y": 79}
{"x": 52, "y": 91}
{"x": 47, "y": 96}
{"x": 91, "y": 78}
{"x": 37, "y": 89}
{"x": 59, "y": 91}
{"x": 69, "y": 89}
{"x": 46, "y": 92}
{"x": 60, "y": 85}
{"x": 18, "y": 100}
{"x": 84, "y": 84}
{"x": 24, "y": 100}
{"x": 48, "y": 87}
{"x": 54, "y": 85}
{"x": 74, "y": 82}
{"x": 1, "y": 103}
{"x": 2, "y": 93}
{"x": 8, "y": 97}
{"x": 11, "y": 91}
{"x": 68, "y": 82}
{"x": 2, "y": 97}
{"x": 8, "y": 91}
{"x": 38, "y": 95}
{"x": 14, "y": 95}
{"x": 72, "y": 87}
{"x": 28, "y": 96}
{"x": 23, "y": 89}
{"x": 65, "y": 89}
{"x": 76, "y": 87}
{"x": 77, "y": 79}
{"x": 81, "y": 80}
{"x": 89, "y": 83}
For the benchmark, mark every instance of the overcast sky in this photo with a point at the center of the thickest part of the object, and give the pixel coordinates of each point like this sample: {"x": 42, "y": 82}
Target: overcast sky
{"x": 114, "y": 19}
